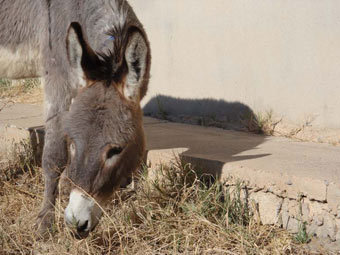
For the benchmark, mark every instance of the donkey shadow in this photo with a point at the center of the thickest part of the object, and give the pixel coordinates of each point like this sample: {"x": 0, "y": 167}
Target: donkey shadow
{"x": 205, "y": 148}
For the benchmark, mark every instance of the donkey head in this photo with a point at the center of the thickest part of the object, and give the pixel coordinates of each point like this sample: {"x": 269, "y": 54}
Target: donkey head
{"x": 104, "y": 123}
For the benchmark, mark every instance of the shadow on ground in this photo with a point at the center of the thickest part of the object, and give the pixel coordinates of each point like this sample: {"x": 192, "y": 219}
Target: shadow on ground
{"x": 208, "y": 149}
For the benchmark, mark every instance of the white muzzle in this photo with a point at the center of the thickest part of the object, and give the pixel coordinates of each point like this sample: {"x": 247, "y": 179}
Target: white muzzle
{"x": 82, "y": 212}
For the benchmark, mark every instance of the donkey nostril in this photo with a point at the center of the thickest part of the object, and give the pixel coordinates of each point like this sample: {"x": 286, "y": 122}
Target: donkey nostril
{"x": 81, "y": 228}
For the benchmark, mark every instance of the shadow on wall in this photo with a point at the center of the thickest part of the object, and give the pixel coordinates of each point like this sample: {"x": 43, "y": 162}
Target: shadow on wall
{"x": 204, "y": 112}
{"x": 206, "y": 150}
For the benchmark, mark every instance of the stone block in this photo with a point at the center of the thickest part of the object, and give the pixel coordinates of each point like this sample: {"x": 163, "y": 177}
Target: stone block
{"x": 337, "y": 237}
{"x": 269, "y": 206}
{"x": 305, "y": 211}
{"x": 330, "y": 228}
{"x": 316, "y": 209}
{"x": 327, "y": 229}
{"x": 291, "y": 207}
{"x": 293, "y": 225}
{"x": 333, "y": 198}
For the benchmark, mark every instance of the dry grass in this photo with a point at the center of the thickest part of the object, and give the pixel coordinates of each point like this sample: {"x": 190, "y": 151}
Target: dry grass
{"x": 21, "y": 91}
{"x": 260, "y": 123}
{"x": 172, "y": 212}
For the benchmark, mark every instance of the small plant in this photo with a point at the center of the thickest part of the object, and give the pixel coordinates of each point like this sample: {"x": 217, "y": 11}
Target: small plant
{"x": 302, "y": 236}
{"x": 5, "y": 83}
{"x": 305, "y": 124}
{"x": 260, "y": 123}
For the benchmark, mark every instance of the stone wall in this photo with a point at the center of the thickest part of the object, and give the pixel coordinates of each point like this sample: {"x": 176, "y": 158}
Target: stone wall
{"x": 320, "y": 218}
{"x": 286, "y": 201}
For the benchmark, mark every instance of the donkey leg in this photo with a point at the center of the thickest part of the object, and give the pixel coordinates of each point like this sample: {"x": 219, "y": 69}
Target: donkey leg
{"x": 53, "y": 161}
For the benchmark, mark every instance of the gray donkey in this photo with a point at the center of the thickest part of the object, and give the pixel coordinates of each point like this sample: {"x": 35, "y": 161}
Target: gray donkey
{"x": 94, "y": 59}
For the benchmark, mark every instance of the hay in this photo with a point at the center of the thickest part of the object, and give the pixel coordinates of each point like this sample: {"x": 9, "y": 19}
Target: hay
{"x": 175, "y": 212}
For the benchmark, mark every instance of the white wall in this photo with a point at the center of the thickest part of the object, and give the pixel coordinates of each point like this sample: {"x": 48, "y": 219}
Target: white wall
{"x": 282, "y": 55}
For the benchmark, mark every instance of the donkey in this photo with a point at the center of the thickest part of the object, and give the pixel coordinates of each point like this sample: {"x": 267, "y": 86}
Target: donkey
{"x": 94, "y": 60}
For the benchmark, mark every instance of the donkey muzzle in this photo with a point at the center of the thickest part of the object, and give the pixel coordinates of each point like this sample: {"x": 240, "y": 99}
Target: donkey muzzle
{"x": 82, "y": 213}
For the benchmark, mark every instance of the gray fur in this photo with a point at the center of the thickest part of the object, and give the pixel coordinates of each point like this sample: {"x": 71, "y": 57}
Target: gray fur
{"x": 105, "y": 113}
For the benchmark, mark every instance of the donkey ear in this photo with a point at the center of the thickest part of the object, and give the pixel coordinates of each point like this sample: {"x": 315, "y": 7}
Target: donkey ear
{"x": 79, "y": 53}
{"x": 137, "y": 56}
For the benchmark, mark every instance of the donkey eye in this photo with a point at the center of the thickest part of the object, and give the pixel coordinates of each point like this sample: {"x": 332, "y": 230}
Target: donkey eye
{"x": 113, "y": 151}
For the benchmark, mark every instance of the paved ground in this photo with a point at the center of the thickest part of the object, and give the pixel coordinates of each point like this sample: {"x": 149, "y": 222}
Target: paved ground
{"x": 21, "y": 115}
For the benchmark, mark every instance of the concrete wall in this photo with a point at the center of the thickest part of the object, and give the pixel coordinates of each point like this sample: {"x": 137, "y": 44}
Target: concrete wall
{"x": 282, "y": 55}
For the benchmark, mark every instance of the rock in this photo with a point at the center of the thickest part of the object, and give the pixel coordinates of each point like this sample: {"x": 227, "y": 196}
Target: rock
{"x": 305, "y": 212}
{"x": 338, "y": 212}
{"x": 292, "y": 207}
{"x": 318, "y": 220}
{"x": 268, "y": 205}
{"x": 313, "y": 189}
{"x": 330, "y": 228}
{"x": 284, "y": 218}
{"x": 293, "y": 225}
{"x": 289, "y": 182}
{"x": 317, "y": 208}
{"x": 337, "y": 237}
{"x": 312, "y": 229}
{"x": 333, "y": 198}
